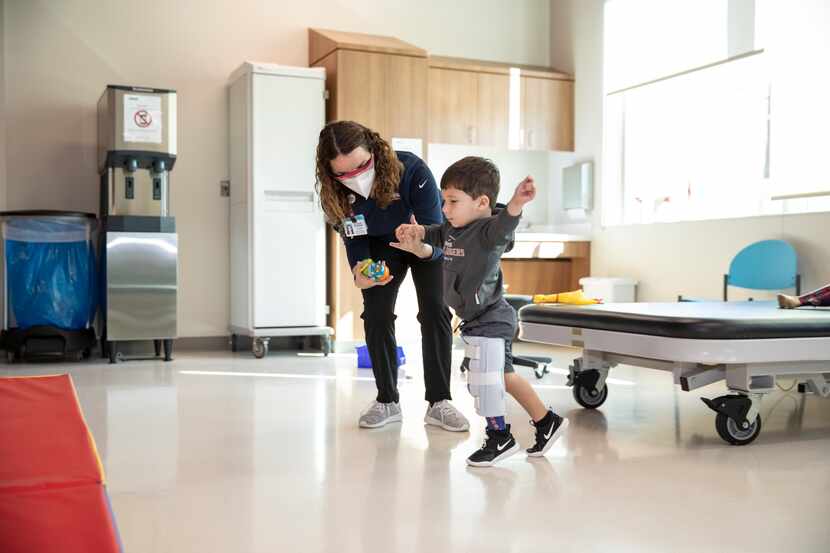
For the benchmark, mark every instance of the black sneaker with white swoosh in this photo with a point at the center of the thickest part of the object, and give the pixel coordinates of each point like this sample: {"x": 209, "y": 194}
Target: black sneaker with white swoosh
{"x": 498, "y": 446}
{"x": 547, "y": 434}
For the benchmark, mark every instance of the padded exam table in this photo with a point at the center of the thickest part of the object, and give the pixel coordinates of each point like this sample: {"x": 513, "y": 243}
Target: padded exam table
{"x": 748, "y": 344}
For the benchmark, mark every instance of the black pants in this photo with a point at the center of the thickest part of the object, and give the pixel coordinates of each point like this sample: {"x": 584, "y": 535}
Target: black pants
{"x": 379, "y": 323}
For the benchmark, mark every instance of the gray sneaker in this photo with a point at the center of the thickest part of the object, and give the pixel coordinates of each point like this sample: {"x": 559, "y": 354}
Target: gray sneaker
{"x": 380, "y": 414}
{"x": 446, "y": 416}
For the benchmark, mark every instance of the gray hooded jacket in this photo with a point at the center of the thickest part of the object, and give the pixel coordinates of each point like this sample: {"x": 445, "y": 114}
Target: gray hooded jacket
{"x": 473, "y": 280}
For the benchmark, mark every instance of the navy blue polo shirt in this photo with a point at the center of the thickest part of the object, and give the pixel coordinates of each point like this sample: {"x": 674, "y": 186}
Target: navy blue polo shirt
{"x": 419, "y": 195}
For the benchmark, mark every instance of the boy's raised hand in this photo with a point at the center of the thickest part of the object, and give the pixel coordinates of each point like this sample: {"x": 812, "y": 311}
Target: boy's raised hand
{"x": 525, "y": 192}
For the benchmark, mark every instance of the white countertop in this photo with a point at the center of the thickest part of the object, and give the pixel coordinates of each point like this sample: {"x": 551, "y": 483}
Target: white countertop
{"x": 531, "y": 236}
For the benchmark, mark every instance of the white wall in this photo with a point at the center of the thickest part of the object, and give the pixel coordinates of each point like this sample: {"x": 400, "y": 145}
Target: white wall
{"x": 61, "y": 55}
{"x": 667, "y": 259}
{"x": 513, "y": 167}
{"x": 576, "y": 48}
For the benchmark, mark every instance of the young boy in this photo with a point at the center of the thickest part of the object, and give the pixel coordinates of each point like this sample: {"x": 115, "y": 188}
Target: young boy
{"x": 473, "y": 240}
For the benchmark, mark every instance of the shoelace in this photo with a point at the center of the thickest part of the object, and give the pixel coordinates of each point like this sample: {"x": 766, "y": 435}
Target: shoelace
{"x": 375, "y": 407}
{"x": 446, "y": 409}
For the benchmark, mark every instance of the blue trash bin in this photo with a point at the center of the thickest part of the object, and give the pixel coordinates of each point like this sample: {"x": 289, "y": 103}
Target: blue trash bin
{"x": 51, "y": 277}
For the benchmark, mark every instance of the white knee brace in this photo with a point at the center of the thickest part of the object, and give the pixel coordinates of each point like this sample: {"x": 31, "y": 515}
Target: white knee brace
{"x": 486, "y": 378}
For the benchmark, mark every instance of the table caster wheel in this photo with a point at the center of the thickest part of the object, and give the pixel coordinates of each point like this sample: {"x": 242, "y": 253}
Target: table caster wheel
{"x": 733, "y": 434}
{"x": 585, "y": 392}
{"x": 326, "y": 346}
{"x": 234, "y": 343}
{"x": 260, "y": 348}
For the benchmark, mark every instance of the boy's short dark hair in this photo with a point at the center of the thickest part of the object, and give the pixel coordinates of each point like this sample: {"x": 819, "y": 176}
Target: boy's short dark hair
{"x": 475, "y": 176}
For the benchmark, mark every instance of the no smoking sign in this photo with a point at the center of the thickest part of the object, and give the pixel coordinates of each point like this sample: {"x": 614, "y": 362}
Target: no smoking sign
{"x": 142, "y": 118}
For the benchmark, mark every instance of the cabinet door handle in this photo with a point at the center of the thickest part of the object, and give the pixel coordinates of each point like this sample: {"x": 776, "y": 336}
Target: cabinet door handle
{"x": 530, "y": 139}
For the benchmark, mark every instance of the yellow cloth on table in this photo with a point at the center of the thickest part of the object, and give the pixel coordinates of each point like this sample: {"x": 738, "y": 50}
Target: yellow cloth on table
{"x": 577, "y": 297}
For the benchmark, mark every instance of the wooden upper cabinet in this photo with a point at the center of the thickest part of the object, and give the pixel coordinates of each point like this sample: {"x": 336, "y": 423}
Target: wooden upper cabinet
{"x": 453, "y": 106}
{"x": 467, "y": 107}
{"x": 547, "y": 114}
{"x": 469, "y": 103}
{"x": 393, "y": 88}
{"x": 406, "y": 96}
{"x": 378, "y": 81}
{"x": 493, "y": 113}
{"x": 361, "y": 89}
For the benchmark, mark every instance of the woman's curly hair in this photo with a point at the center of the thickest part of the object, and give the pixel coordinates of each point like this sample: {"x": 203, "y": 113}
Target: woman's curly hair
{"x": 342, "y": 137}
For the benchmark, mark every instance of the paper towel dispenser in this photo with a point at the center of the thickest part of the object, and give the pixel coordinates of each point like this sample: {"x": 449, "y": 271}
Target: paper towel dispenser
{"x": 578, "y": 186}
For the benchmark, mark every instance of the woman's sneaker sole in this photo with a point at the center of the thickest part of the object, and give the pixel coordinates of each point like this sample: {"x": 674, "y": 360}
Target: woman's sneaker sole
{"x": 556, "y": 436}
{"x": 393, "y": 418}
{"x": 436, "y": 422}
{"x": 507, "y": 454}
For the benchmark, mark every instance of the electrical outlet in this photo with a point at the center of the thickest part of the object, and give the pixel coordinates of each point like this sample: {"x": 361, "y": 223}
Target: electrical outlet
{"x": 225, "y": 188}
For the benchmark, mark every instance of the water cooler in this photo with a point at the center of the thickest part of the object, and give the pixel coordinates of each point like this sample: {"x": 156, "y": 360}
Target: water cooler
{"x": 139, "y": 244}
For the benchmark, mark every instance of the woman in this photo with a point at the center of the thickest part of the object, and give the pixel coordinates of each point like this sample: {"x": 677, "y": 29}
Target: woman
{"x": 366, "y": 191}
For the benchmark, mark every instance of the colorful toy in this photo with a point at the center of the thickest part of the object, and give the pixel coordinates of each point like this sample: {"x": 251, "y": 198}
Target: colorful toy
{"x": 375, "y": 270}
{"x": 577, "y": 297}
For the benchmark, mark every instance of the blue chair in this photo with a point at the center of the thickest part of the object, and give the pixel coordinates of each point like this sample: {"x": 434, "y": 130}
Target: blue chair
{"x": 764, "y": 265}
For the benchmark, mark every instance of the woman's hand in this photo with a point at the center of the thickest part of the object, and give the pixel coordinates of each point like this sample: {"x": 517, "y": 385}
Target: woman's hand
{"x": 363, "y": 282}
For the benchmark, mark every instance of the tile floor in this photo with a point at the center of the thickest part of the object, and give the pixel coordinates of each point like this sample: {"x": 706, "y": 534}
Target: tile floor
{"x": 219, "y": 452}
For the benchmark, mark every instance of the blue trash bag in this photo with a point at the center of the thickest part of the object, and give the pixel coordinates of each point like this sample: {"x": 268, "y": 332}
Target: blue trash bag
{"x": 50, "y": 267}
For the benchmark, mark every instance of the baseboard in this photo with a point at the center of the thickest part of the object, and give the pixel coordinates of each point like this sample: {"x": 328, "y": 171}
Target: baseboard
{"x": 222, "y": 343}
{"x": 204, "y": 343}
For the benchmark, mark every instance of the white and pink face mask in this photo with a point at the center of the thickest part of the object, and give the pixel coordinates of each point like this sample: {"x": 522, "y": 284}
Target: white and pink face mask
{"x": 361, "y": 180}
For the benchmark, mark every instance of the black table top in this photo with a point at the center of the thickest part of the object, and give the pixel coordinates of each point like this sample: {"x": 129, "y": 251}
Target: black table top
{"x": 695, "y": 320}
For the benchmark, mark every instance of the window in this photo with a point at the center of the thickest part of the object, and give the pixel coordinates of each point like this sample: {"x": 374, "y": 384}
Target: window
{"x": 690, "y": 147}
{"x": 690, "y": 124}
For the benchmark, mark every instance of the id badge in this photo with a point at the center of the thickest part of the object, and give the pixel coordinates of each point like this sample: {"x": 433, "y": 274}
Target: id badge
{"x": 355, "y": 226}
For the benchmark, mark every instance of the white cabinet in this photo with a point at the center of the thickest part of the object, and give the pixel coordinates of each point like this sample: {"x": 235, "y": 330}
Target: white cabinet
{"x": 278, "y": 248}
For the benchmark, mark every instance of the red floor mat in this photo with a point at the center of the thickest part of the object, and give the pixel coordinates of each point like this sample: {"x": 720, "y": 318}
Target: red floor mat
{"x": 52, "y": 495}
